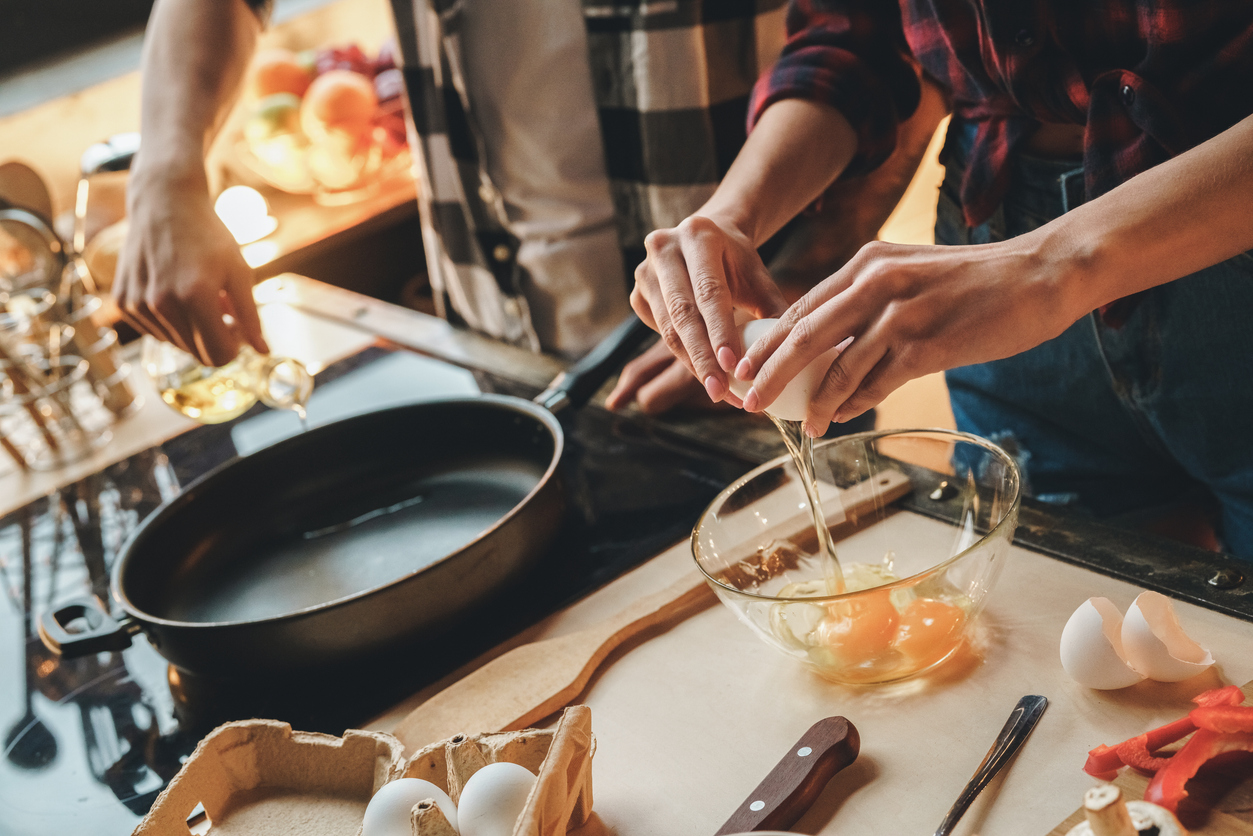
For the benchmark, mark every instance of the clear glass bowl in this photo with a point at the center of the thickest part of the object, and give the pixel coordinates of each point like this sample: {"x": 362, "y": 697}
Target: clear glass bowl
{"x": 918, "y": 562}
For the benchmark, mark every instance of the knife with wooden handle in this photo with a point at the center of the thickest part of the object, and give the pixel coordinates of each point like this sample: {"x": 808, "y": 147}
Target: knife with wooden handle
{"x": 797, "y": 780}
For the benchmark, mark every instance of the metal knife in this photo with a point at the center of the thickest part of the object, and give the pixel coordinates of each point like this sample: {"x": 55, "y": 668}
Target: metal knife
{"x": 797, "y": 780}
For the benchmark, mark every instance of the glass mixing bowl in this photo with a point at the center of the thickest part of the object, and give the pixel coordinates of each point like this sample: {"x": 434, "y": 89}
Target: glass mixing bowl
{"x": 922, "y": 522}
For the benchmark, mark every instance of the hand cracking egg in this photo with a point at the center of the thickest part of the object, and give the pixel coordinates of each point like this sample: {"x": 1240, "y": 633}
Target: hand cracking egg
{"x": 791, "y": 403}
{"x": 1102, "y": 650}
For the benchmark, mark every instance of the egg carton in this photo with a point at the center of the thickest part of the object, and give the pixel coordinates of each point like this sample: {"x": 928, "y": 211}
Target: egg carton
{"x": 261, "y": 778}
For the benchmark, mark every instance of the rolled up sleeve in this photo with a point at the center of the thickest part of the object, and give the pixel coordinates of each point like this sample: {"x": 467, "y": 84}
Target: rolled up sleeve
{"x": 852, "y": 56}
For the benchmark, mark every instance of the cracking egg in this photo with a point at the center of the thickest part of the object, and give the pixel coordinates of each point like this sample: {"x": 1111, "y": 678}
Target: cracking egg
{"x": 791, "y": 403}
{"x": 1103, "y": 650}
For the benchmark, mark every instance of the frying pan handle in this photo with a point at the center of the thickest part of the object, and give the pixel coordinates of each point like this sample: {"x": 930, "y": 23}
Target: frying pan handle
{"x": 103, "y": 632}
{"x": 575, "y": 386}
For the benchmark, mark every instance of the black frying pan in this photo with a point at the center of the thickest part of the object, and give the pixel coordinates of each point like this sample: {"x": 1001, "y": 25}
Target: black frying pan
{"x": 347, "y": 539}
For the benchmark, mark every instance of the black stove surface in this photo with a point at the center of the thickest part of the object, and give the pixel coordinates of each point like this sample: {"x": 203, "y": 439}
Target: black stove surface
{"x": 90, "y": 742}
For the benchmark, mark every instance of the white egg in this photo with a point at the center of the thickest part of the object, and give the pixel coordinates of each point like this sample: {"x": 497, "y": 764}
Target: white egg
{"x": 387, "y": 814}
{"x": 1155, "y": 644}
{"x": 493, "y": 798}
{"x": 1091, "y": 647}
{"x": 791, "y": 403}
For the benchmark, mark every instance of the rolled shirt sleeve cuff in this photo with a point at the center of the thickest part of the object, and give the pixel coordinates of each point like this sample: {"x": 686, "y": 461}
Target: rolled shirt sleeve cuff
{"x": 837, "y": 77}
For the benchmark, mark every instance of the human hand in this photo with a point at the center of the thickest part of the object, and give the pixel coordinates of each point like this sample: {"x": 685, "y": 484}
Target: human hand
{"x": 180, "y": 272}
{"x": 686, "y": 289}
{"x": 658, "y": 383}
{"x": 910, "y": 311}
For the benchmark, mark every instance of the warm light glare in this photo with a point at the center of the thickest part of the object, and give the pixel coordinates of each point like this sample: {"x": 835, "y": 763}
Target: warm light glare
{"x": 245, "y": 213}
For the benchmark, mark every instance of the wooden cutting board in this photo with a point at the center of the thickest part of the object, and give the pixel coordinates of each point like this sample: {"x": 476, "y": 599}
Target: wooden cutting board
{"x": 1233, "y": 815}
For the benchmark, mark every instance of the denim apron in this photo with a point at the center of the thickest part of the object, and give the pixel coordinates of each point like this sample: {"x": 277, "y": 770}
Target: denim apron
{"x": 1117, "y": 419}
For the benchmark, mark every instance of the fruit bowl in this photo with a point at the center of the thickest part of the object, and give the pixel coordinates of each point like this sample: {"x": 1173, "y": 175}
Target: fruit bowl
{"x": 333, "y": 176}
{"x": 328, "y": 122}
{"x": 915, "y": 577}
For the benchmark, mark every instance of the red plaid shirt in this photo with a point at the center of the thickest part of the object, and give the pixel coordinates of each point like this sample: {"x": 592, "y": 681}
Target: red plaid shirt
{"x": 1149, "y": 78}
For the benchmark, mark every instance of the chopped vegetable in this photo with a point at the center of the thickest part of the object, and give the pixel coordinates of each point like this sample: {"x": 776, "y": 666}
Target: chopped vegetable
{"x": 1219, "y": 725}
{"x": 1167, "y": 787}
{"x": 1105, "y": 761}
{"x": 1224, "y": 718}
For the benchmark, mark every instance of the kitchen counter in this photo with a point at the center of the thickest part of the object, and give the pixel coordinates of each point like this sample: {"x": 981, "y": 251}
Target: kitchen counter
{"x": 690, "y": 720}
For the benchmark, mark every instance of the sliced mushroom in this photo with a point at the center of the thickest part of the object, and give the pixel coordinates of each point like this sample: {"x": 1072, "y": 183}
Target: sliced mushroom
{"x": 1107, "y": 815}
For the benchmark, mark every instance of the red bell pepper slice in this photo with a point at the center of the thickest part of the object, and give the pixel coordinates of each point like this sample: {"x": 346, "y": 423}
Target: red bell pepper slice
{"x": 1167, "y": 787}
{"x": 1105, "y": 761}
{"x": 1223, "y": 718}
{"x": 1229, "y": 695}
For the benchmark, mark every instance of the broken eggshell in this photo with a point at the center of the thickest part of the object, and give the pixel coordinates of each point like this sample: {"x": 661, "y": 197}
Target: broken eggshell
{"x": 791, "y": 403}
{"x": 1154, "y": 643}
{"x": 1092, "y": 649}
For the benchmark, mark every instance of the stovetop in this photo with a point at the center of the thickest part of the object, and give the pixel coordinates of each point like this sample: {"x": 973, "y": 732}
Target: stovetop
{"x": 90, "y": 742}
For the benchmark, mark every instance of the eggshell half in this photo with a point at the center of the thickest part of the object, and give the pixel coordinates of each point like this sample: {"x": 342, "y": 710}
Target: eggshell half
{"x": 387, "y": 814}
{"x": 1155, "y": 644}
{"x": 1091, "y": 647}
{"x": 493, "y": 798}
{"x": 791, "y": 403}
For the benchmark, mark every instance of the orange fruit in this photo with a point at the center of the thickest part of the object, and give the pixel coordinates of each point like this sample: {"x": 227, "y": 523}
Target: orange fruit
{"x": 338, "y": 100}
{"x": 929, "y": 630}
{"x": 279, "y": 71}
{"x": 861, "y": 628}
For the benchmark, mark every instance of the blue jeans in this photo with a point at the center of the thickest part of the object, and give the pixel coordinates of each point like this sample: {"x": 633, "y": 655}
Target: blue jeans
{"x": 1116, "y": 420}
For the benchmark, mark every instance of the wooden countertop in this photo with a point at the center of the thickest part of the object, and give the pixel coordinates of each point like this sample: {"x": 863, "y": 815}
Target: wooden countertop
{"x": 691, "y": 719}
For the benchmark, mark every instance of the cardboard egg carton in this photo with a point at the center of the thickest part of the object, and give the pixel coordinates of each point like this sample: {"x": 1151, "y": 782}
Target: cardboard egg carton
{"x": 260, "y": 778}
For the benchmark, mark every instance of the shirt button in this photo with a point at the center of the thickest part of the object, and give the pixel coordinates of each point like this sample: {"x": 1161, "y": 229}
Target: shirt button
{"x": 1024, "y": 38}
{"x": 501, "y": 252}
{"x": 1128, "y": 95}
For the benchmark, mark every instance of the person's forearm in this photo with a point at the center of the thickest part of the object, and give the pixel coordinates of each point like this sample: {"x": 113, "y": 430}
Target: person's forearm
{"x": 795, "y": 151}
{"x": 195, "y": 55}
{"x": 853, "y": 211}
{"x": 1179, "y": 217}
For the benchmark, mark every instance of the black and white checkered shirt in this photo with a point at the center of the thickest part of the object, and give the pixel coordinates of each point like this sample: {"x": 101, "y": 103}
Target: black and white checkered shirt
{"x": 671, "y": 80}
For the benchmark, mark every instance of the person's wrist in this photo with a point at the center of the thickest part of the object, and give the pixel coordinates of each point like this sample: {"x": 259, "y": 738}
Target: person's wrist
{"x": 730, "y": 220}
{"x": 1067, "y": 263}
{"x": 162, "y": 181}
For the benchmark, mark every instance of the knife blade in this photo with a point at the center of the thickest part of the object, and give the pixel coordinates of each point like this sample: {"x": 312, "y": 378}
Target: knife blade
{"x": 797, "y": 780}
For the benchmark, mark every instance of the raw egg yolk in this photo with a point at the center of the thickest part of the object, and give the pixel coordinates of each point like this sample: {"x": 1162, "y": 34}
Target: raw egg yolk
{"x": 929, "y": 630}
{"x": 860, "y": 629}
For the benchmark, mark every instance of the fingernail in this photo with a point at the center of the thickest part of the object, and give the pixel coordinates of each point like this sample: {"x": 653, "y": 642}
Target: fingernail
{"x": 810, "y": 430}
{"x": 836, "y": 419}
{"x": 843, "y": 344}
{"x": 726, "y": 358}
{"x": 715, "y": 388}
{"x": 751, "y": 400}
{"x": 744, "y": 371}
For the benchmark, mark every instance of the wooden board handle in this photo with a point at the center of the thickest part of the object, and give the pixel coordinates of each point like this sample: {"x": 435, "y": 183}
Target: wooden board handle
{"x": 797, "y": 780}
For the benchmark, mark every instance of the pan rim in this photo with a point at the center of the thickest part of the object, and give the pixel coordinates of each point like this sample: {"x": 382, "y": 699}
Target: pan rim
{"x": 508, "y": 402}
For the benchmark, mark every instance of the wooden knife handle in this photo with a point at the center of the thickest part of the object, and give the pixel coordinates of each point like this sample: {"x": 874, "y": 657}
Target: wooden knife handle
{"x": 797, "y": 780}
